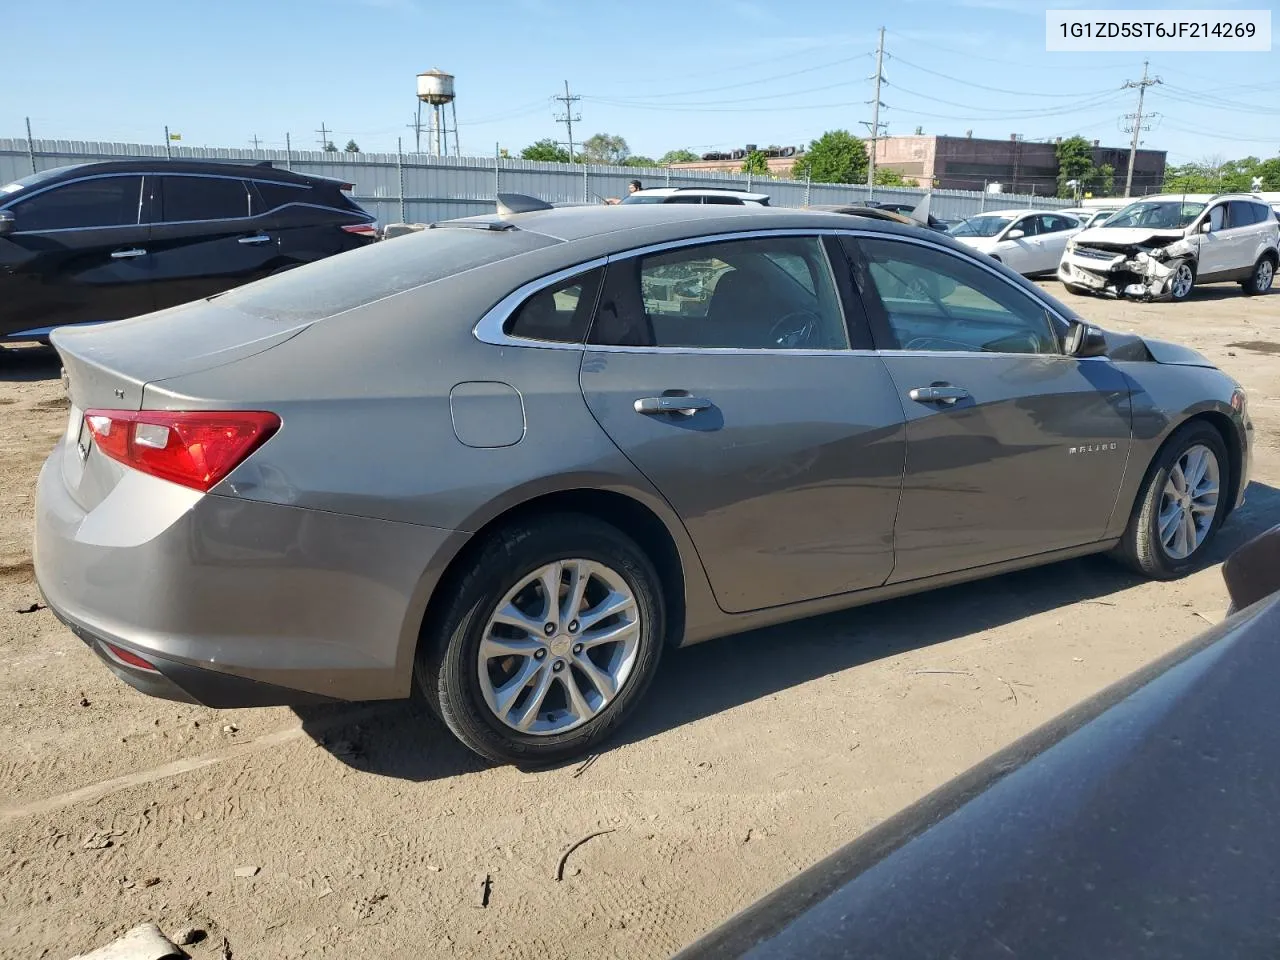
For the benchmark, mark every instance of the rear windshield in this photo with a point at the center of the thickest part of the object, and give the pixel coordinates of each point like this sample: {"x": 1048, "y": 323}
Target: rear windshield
{"x": 348, "y": 280}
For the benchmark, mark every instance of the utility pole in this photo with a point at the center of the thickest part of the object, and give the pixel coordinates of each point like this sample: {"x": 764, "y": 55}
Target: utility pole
{"x": 568, "y": 119}
{"x": 256, "y": 141}
{"x": 416, "y": 127}
{"x": 875, "y": 124}
{"x": 324, "y": 135}
{"x": 1141, "y": 86}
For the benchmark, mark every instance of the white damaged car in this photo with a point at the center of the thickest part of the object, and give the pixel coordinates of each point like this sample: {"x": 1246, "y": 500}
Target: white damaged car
{"x": 1160, "y": 247}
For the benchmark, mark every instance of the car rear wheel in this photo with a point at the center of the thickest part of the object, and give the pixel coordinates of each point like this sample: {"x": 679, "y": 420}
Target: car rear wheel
{"x": 1184, "y": 279}
{"x": 549, "y": 643}
{"x": 1181, "y": 505}
{"x": 1259, "y": 282}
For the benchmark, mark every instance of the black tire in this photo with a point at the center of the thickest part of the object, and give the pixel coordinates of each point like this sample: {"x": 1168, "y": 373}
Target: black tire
{"x": 1259, "y": 282}
{"x": 1141, "y": 548}
{"x": 448, "y": 652}
{"x": 1173, "y": 295}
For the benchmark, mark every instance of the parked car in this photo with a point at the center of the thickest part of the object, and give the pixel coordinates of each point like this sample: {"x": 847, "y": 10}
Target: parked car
{"x": 1090, "y": 216}
{"x": 1029, "y": 241}
{"x": 1141, "y": 823}
{"x": 717, "y": 195}
{"x": 1160, "y": 247}
{"x": 510, "y": 458}
{"x": 93, "y": 242}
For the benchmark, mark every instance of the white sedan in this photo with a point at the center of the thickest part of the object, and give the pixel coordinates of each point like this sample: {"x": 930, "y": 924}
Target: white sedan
{"x": 1028, "y": 241}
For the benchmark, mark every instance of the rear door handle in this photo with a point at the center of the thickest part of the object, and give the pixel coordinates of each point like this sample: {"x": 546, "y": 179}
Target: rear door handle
{"x": 260, "y": 238}
{"x": 668, "y": 404}
{"x": 938, "y": 394}
{"x": 128, "y": 254}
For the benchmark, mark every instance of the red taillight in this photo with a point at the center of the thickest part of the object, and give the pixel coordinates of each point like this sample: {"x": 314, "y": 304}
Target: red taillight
{"x": 361, "y": 229}
{"x": 126, "y": 657}
{"x": 196, "y": 449}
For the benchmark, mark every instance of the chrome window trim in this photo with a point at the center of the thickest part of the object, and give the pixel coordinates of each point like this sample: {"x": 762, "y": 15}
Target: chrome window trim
{"x": 489, "y": 329}
{"x": 22, "y": 197}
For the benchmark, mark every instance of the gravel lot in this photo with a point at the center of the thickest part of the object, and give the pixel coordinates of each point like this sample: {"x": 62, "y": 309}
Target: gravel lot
{"x": 371, "y": 831}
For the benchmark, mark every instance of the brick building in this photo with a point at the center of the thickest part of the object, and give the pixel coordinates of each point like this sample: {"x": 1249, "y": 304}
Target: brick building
{"x": 1020, "y": 166}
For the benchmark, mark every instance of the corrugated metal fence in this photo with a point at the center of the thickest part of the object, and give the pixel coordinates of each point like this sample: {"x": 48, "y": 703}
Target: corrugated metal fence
{"x": 419, "y": 188}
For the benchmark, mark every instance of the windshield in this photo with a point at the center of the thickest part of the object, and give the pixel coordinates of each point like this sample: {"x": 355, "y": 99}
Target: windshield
{"x": 1161, "y": 214}
{"x": 32, "y": 179}
{"x": 980, "y": 226}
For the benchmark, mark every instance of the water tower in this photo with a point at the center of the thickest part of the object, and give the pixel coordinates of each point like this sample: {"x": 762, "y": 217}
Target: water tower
{"x": 435, "y": 89}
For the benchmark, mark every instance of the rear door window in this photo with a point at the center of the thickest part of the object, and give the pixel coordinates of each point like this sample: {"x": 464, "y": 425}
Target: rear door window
{"x": 1241, "y": 213}
{"x": 265, "y": 197}
{"x": 97, "y": 202}
{"x": 560, "y": 313}
{"x": 185, "y": 199}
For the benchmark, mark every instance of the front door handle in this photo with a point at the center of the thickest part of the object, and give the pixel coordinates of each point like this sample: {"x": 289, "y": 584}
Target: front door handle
{"x": 128, "y": 254}
{"x": 260, "y": 238}
{"x": 669, "y": 404}
{"x": 938, "y": 393}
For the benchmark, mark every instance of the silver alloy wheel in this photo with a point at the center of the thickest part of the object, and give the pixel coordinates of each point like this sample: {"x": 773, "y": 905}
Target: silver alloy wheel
{"x": 559, "y": 647}
{"x": 1266, "y": 273}
{"x": 1183, "y": 278}
{"x": 1189, "y": 502}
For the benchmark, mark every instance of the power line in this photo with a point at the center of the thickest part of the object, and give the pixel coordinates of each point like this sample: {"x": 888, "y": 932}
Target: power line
{"x": 1141, "y": 87}
{"x": 568, "y": 119}
{"x": 746, "y": 83}
{"x": 1019, "y": 93}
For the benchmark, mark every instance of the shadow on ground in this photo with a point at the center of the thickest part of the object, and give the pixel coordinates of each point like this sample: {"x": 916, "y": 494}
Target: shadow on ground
{"x": 405, "y": 741}
{"x": 29, "y": 363}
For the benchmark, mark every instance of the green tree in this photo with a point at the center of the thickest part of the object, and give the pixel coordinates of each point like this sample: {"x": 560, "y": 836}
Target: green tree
{"x": 640, "y": 162}
{"x": 678, "y": 156}
{"x": 606, "y": 148}
{"x": 1189, "y": 178}
{"x": 1105, "y": 179}
{"x": 330, "y": 147}
{"x": 756, "y": 163}
{"x": 1269, "y": 171}
{"x": 886, "y": 177}
{"x": 1075, "y": 162}
{"x": 352, "y": 147}
{"x": 835, "y": 157}
{"x": 546, "y": 150}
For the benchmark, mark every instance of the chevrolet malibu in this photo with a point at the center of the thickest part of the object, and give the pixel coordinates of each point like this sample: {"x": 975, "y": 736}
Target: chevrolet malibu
{"x": 506, "y": 461}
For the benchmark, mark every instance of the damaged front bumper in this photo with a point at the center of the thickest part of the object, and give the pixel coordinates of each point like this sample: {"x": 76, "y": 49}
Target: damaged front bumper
{"x": 1141, "y": 275}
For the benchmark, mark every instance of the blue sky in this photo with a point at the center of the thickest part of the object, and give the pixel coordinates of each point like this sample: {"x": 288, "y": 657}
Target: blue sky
{"x": 703, "y": 74}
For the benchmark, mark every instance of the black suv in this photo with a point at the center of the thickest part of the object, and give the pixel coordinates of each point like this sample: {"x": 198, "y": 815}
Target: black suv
{"x": 103, "y": 241}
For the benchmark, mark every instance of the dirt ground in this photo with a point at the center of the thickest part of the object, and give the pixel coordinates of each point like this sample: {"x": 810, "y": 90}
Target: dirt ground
{"x": 364, "y": 831}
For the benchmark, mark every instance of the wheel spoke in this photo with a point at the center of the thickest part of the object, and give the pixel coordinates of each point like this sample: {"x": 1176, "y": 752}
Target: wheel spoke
{"x": 550, "y": 579}
{"x": 506, "y": 695}
{"x": 579, "y": 576}
{"x": 534, "y": 704}
{"x": 576, "y": 700}
{"x": 513, "y": 616}
{"x": 614, "y": 634}
{"x": 492, "y": 647}
{"x": 1178, "y": 478}
{"x": 611, "y": 605}
{"x": 1168, "y": 521}
{"x": 1192, "y": 534}
{"x": 601, "y": 680}
{"x": 1203, "y": 508}
{"x": 1197, "y": 466}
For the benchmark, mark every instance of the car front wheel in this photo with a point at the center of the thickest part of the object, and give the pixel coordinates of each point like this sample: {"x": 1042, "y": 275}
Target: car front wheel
{"x": 550, "y": 641}
{"x": 1184, "y": 279}
{"x": 1181, "y": 504}
{"x": 1259, "y": 282}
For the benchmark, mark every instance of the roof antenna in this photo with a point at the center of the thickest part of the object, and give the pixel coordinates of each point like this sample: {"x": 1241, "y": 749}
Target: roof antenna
{"x": 509, "y": 203}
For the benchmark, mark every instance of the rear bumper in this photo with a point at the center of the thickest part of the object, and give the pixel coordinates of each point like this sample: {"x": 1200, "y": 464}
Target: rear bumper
{"x": 236, "y": 602}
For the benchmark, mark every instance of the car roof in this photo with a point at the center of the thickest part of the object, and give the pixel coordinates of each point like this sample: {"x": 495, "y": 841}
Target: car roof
{"x": 258, "y": 170}
{"x": 716, "y": 191}
{"x": 660, "y": 223}
{"x": 1019, "y": 212}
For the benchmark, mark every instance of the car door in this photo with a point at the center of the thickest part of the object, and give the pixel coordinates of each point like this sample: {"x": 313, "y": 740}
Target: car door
{"x": 1215, "y": 245}
{"x": 1013, "y": 449}
{"x": 1052, "y": 233}
{"x": 204, "y": 239}
{"x": 724, "y": 372}
{"x": 77, "y": 254}
{"x": 1242, "y": 230}
{"x": 1020, "y": 254}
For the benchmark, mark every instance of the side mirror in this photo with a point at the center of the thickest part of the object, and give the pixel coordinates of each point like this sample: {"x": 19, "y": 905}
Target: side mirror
{"x": 1014, "y": 235}
{"x": 1206, "y": 227}
{"x": 6, "y": 222}
{"x": 1085, "y": 340}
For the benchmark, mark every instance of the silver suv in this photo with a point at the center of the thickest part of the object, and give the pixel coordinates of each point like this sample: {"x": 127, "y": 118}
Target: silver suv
{"x": 1158, "y": 248}
{"x": 721, "y": 195}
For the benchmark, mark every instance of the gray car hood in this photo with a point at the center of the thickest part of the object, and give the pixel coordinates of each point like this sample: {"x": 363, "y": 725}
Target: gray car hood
{"x": 1128, "y": 236}
{"x": 1162, "y": 351}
